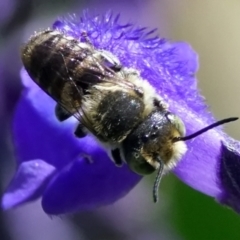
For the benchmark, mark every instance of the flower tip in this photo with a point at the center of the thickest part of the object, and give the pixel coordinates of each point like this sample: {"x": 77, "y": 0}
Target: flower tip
{"x": 27, "y": 183}
{"x": 27, "y": 82}
{"x": 8, "y": 201}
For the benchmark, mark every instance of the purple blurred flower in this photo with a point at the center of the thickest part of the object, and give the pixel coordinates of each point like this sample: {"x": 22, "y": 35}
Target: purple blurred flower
{"x": 7, "y": 9}
{"x": 75, "y": 174}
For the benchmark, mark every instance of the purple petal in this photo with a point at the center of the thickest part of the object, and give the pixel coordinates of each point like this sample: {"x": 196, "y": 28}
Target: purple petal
{"x": 7, "y": 9}
{"x": 229, "y": 174}
{"x": 199, "y": 166}
{"x": 28, "y": 183}
{"x": 86, "y": 184}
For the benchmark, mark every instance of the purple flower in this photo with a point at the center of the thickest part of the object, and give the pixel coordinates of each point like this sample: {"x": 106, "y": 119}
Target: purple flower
{"x": 7, "y": 10}
{"x": 76, "y": 174}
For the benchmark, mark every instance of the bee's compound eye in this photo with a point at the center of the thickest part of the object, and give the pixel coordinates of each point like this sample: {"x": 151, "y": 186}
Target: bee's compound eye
{"x": 138, "y": 164}
{"x": 111, "y": 61}
{"x": 177, "y": 122}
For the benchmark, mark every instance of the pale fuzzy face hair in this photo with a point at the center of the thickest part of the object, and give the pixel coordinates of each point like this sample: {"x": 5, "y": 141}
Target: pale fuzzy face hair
{"x": 179, "y": 149}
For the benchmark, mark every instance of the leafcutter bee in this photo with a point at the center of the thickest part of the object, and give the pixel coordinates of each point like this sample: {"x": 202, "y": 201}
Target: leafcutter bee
{"x": 111, "y": 101}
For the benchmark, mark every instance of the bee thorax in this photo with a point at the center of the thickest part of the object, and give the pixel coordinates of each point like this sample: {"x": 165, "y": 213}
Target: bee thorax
{"x": 113, "y": 114}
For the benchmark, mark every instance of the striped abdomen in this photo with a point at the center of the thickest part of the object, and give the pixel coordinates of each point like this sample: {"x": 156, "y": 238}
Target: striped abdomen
{"x": 58, "y": 63}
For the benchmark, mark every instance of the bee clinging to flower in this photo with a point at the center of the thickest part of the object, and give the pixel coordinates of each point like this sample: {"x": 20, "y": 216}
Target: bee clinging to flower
{"x": 112, "y": 102}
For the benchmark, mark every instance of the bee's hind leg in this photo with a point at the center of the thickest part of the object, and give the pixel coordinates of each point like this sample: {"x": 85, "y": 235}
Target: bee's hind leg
{"x": 117, "y": 157}
{"x": 80, "y": 132}
{"x": 85, "y": 38}
{"x": 61, "y": 113}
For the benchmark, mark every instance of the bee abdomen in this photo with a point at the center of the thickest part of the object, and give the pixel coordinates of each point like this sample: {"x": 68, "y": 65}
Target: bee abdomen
{"x": 52, "y": 59}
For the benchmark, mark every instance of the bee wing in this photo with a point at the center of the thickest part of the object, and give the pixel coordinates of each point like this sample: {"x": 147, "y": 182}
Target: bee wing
{"x": 83, "y": 67}
{"x": 73, "y": 92}
{"x": 85, "y": 64}
{"x": 70, "y": 105}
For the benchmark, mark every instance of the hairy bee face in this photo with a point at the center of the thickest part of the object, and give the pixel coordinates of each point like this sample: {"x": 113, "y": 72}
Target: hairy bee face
{"x": 154, "y": 139}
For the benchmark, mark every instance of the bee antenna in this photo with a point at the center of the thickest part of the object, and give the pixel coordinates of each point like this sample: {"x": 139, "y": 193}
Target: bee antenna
{"x": 157, "y": 179}
{"x": 221, "y": 122}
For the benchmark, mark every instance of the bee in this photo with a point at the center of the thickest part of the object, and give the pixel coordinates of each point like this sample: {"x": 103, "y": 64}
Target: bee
{"x": 112, "y": 102}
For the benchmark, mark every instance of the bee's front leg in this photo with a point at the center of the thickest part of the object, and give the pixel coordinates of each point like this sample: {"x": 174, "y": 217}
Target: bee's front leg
{"x": 80, "y": 131}
{"x": 117, "y": 157}
{"x": 61, "y": 113}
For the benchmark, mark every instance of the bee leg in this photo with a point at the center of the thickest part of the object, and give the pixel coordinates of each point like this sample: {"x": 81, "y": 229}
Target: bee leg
{"x": 61, "y": 113}
{"x": 158, "y": 179}
{"x": 159, "y": 104}
{"x": 79, "y": 132}
{"x": 117, "y": 157}
{"x": 126, "y": 72}
{"x": 116, "y": 67}
{"x": 85, "y": 38}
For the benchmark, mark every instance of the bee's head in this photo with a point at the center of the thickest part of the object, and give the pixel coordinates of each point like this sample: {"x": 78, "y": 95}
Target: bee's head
{"x": 158, "y": 143}
{"x": 155, "y": 139}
